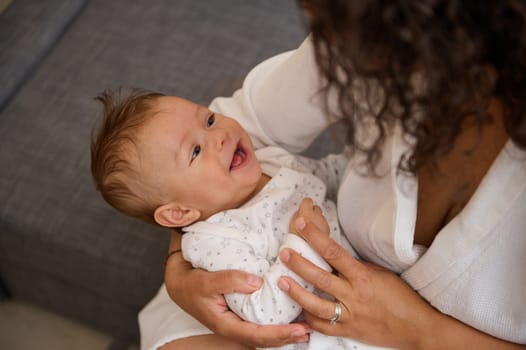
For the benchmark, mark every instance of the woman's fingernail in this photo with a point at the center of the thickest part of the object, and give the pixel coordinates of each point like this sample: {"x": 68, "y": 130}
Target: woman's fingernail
{"x": 300, "y": 223}
{"x": 284, "y": 255}
{"x": 254, "y": 281}
{"x": 283, "y": 285}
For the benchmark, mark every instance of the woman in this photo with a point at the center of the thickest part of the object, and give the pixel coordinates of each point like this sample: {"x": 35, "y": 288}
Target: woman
{"x": 433, "y": 93}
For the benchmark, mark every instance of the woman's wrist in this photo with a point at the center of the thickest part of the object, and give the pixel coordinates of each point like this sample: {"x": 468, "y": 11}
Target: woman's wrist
{"x": 175, "y": 240}
{"x": 173, "y": 264}
{"x": 170, "y": 254}
{"x": 428, "y": 330}
{"x": 420, "y": 326}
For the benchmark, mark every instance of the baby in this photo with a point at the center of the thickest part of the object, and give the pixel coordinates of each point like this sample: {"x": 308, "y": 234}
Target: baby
{"x": 168, "y": 161}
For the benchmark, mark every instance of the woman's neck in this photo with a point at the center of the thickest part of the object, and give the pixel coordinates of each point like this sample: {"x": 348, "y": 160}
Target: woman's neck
{"x": 444, "y": 190}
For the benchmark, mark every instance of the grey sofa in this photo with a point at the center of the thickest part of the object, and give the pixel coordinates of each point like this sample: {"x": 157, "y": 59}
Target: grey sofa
{"x": 61, "y": 246}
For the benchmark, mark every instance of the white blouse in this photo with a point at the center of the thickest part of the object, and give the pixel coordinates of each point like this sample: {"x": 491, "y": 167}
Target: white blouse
{"x": 475, "y": 269}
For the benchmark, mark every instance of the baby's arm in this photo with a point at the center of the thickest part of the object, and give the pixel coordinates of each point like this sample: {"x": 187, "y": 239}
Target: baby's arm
{"x": 268, "y": 305}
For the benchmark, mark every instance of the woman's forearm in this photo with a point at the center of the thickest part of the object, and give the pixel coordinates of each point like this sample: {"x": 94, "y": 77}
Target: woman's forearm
{"x": 175, "y": 267}
{"x": 175, "y": 241}
{"x": 445, "y": 332}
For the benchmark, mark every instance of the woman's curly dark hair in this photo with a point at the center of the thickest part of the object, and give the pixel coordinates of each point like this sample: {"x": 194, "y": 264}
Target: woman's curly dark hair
{"x": 453, "y": 44}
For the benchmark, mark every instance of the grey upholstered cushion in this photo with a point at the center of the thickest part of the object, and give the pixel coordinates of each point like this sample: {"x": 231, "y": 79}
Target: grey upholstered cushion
{"x": 28, "y": 30}
{"x": 60, "y": 245}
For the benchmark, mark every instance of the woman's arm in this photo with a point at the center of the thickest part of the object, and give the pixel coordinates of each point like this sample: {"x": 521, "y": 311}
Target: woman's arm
{"x": 200, "y": 293}
{"x": 378, "y": 307}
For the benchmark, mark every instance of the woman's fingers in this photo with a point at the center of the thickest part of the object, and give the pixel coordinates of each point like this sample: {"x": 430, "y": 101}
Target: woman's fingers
{"x": 230, "y": 281}
{"x": 311, "y": 303}
{"x": 329, "y": 249}
{"x": 311, "y": 212}
{"x": 231, "y": 326}
{"x": 321, "y": 279}
{"x": 326, "y": 316}
{"x": 208, "y": 305}
{"x": 307, "y": 205}
{"x": 319, "y": 312}
{"x": 265, "y": 336}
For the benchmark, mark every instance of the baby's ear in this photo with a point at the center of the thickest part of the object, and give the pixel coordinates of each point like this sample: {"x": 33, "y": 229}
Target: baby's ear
{"x": 175, "y": 215}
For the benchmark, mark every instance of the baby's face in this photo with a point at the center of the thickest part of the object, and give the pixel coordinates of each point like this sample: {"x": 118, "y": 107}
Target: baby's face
{"x": 198, "y": 158}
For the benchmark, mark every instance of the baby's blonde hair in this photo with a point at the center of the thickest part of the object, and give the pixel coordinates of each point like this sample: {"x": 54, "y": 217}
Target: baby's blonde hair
{"x": 116, "y": 178}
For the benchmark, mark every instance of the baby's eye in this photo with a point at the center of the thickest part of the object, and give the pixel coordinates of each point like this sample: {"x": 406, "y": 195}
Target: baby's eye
{"x": 211, "y": 119}
{"x": 195, "y": 153}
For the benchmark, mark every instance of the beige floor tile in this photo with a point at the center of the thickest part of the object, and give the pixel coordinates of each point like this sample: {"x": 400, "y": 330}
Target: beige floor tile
{"x": 24, "y": 326}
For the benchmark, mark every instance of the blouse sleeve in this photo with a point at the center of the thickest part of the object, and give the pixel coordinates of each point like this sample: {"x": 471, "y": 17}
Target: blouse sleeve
{"x": 279, "y": 103}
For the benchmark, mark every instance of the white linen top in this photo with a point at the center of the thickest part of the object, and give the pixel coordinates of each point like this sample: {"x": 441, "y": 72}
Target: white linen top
{"x": 475, "y": 269}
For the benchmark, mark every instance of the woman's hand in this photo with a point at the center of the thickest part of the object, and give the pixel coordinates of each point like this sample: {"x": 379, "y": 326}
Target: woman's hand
{"x": 200, "y": 293}
{"x": 378, "y": 307}
{"x": 370, "y": 298}
{"x": 368, "y": 294}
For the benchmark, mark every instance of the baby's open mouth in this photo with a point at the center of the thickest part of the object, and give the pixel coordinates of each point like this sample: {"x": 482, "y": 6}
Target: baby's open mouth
{"x": 240, "y": 156}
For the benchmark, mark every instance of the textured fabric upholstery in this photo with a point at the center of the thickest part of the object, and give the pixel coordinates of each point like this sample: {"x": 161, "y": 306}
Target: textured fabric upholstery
{"x": 28, "y": 30}
{"x": 61, "y": 246}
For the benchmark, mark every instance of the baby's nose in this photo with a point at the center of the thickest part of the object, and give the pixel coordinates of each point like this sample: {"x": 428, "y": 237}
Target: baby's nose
{"x": 219, "y": 137}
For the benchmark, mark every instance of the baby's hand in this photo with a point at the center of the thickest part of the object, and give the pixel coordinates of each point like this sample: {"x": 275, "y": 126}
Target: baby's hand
{"x": 313, "y": 213}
